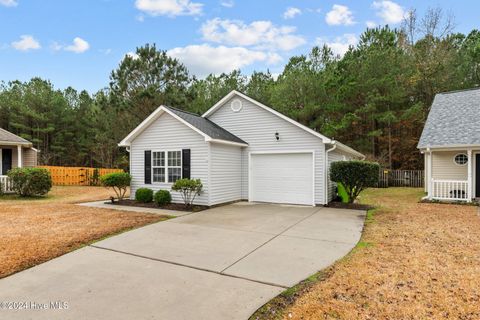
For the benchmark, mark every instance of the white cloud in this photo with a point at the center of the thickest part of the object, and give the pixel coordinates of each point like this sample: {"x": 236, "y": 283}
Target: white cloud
{"x": 78, "y": 46}
{"x": 339, "y": 45}
{"x": 204, "y": 59}
{"x": 339, "y": 15}
{"x": 291, "y": 13}
{"x": 9, "y": 3}
{"x": 227, "y": 3}
{"x": 169, "y": 8}
{"x": 26, "y": 43}
{"x": 389, "y": 11}
{"x": 260, "y": 34}
{"x": 371, "y": 24}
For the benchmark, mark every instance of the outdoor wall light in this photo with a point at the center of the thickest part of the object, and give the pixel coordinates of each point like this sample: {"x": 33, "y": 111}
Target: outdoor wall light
{"x": 277, "y": 136}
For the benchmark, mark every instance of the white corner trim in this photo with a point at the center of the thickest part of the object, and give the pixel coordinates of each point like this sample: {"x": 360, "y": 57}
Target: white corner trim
{"x": 280, "y": 152}
{"x": 261, "y": 105}
{"x": 209, "y": 174}
{"x": 325, "y": 171}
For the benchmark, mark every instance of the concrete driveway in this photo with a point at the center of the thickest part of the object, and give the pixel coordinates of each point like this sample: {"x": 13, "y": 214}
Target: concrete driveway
{"x": 223, "y": 263}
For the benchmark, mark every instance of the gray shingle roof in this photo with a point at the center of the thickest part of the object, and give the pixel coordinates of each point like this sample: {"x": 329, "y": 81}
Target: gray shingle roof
{"x": 454, "y": 119}
{"x": 6, "y": 136}
{"x": 206, "y": 126}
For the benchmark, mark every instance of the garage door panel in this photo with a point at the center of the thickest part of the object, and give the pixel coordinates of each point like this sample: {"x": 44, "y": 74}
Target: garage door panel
{"x": 282, "y": 178}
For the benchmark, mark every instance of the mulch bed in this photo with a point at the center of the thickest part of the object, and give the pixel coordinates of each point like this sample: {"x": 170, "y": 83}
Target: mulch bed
{"x": 353, "y": 206}
{"x": 153, "y": 205}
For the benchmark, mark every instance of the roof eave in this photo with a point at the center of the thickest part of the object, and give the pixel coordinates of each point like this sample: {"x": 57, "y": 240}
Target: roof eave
{"x": 232, "y": 143}
{"x": 235, "y": 92}
{"x": 15, "y": 143}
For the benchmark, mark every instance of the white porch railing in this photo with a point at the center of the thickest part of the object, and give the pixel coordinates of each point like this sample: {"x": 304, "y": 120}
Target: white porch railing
{"x": 5, "y": 184}
{"x": 455, "y": 190}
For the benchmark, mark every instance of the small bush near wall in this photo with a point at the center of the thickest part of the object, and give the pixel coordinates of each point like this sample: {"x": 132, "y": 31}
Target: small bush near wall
{"x": 144, "y": 195}
{"x": 28, "y": 182}
{"x": 119, "y": 182}
{"x": 189, "y": 189}
{"x": 355, "y": 176}
{"x": 163, "y": 197}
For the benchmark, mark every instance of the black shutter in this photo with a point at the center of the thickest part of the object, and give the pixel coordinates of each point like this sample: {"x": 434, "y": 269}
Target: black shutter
{"x": 148, "y": 167}
{"x": 186, "y": 163}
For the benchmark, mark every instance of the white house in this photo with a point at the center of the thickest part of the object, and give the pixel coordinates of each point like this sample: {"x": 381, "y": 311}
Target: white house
{"x": 14, "y": 152}
{"x": 240, "y": 149}
{"x": 450, "y": 143}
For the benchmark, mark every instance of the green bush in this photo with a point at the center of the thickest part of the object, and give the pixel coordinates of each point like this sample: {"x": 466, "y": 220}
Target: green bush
{"x": 189, "y": 189}
{"x": 118, "y": 181}
{"x": 163, "y": 197}
{"x": 144, "y": 195}
{"x": 28, "y": 182}
{"x": 355, "y": 176}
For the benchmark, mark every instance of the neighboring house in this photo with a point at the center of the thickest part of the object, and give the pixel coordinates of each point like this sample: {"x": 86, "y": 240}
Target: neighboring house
{"x": 15, "y": 152}
{"x": 450, "y": 143}
{"x": 240, "y": 149}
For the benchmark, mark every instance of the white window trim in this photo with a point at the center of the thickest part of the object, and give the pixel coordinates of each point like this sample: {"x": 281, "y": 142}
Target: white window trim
{"x": 458, "y": 164}
{"x": 166, "y": 166}
{"x": 159, "y": 167}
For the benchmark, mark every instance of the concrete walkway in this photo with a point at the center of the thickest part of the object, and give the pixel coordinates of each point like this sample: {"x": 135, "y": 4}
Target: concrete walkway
{"x": 223, "y": 263}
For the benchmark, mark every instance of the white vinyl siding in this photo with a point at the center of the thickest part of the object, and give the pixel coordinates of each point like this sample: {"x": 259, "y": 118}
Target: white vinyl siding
{"x": 257, "y": 127}
{"x": 226, "y": 173}
{"x": 167, "y": 133}
{"x": 445, "y": 168}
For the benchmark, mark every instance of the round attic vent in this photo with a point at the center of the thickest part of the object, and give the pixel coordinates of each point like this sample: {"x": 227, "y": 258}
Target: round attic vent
{"x": 236, "y": 105}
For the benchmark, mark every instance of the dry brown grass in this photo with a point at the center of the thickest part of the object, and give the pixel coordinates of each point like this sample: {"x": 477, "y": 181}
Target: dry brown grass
{"x": 36, "y": 230}
{"x": 423, "y": 263}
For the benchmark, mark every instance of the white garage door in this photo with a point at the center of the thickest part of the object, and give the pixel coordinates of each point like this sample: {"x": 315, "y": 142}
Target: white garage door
{"x": 282, "y": 178}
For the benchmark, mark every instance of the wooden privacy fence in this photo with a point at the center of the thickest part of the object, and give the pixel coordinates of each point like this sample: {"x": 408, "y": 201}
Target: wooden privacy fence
{"x": 401, "y": 178}
{"x": 77, "y": 176}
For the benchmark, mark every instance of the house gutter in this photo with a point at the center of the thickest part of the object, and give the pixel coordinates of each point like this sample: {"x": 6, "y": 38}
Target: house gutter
{"x": 325, "y": 192}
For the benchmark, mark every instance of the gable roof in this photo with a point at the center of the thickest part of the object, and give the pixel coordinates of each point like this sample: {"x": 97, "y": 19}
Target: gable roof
{"x": 453, "y": 120}
{"x": 261, "y": 105}
{"x": 211, "y": 131}
{"x": 7, "y": 137}
{"x": 208, "y": 127}
{"x": 324, "y": 139}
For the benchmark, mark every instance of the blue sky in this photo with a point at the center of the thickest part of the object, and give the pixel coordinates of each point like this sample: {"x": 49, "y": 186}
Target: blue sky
{"x": 79, "y": 42}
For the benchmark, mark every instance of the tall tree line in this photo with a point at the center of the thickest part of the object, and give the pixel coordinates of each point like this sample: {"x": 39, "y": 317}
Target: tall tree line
{"x": 375, "y": 98}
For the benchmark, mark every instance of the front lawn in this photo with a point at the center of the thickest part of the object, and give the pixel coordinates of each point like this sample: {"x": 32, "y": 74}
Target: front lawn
{"x": 34, "y": 230}
{"x": 414, "y": 261}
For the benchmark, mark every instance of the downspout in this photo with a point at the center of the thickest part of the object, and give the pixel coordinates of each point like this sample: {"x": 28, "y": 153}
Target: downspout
{"x": 325, "y": 193}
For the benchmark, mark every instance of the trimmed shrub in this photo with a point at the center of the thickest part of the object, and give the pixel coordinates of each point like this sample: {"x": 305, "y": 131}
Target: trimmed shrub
{"x": 189, "y": 189}
{"x": 144, "y": 195}
{"x": 355, "y": 176}
{"x": 118, "y": 181}
{"x": 28, "y": 182}
{"x": 163, "y": 197}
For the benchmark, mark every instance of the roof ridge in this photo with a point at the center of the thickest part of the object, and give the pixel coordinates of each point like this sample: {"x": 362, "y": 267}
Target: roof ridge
{"x": 460, "y": 90}
{"x": 184, "y": 111}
